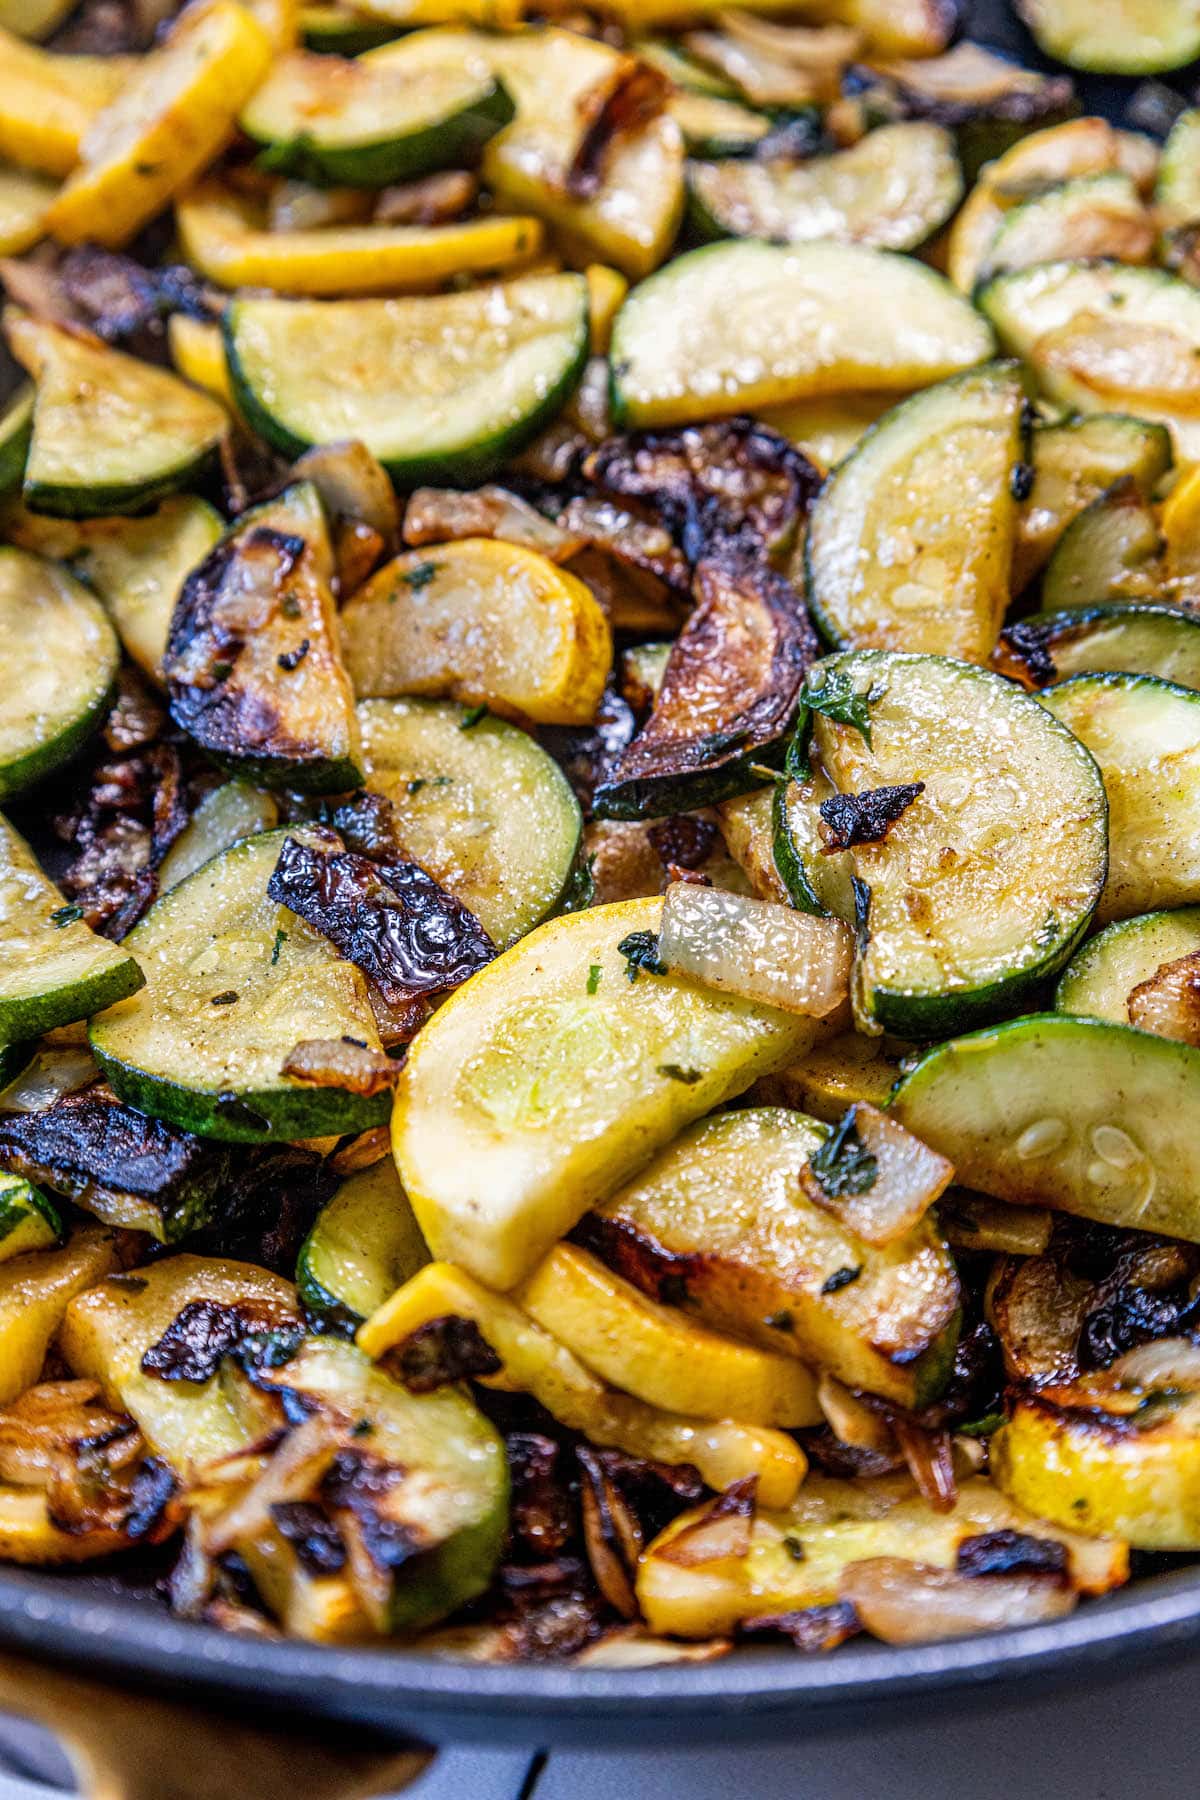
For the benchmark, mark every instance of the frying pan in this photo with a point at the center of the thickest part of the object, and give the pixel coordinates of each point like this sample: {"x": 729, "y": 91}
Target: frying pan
{"x": 250, "y": 1700}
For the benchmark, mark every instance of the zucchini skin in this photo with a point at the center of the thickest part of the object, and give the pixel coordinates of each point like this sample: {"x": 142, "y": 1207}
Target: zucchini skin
{"x": 60, "y": 500}
{"x": 464, "y": 466}
{"x": 62, "y": 1006}
{"x": 245, "y": 1118}
{"x": 16, "y": 430}
{"x": 23, "y": 771}
{"x": 448, "y": 144}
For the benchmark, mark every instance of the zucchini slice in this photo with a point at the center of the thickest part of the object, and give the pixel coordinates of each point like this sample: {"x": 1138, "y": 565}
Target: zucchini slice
{"x": 332, "y": 29}
{"x": 1102, "y": 338}
{"x": 233, "y": 983}
{"x": 716, "y": 126}
{"x": 910, "y": 541}
{"x": 485, "y": 811}
{"x": 1094, "y": 215}
{"x": 1081, "y": 1115}
{"x": 482, "y": 621}
{"x": 49, "y": 102}
{"x": 458, "y": 382}
{"x": 172, "y": 116}
{"x": 366, "y": 121}
{"x": 270, "y": 698}
{"x": 224, "y": 236}
{"x": 24, "y": 197}
{"x": 986, "y": 882}
{"x": 535, "y": 1363}
{"x": 826, "y": 429}
{"x": 816, "y": 879}
{"x": 551, "y": 1076}
{"x": 893, "y": 189}
{"x": 34, "y": 19}
{"x": 365, "y": 1244}
{"x": 1133, "y": 640}
{"x": 60, "y": 663}
{"x": 28, "y": 1219}
{"x": 721, "y": 1216}
{"x": 223, "y": 818}
{"x": 1073, "y": 464}
{"x": 55, "y": 968}
{"x": 1097, "y": 982}
{"x": 1145, "y": 735}
{"x": 744, "y": 325}
{"x": 1177, "y": 190}
{"x": 657, "y": 1353}
{"x": 798, "y": 1556}
{"x": 1114, "y": 550}
{"x": 1132, "y": 1472}
{"x": 16, "y": 427}
{"x": 35, "y": 1292}
{"x": 110, "y": 434}
{"x": 1115, "y": 37}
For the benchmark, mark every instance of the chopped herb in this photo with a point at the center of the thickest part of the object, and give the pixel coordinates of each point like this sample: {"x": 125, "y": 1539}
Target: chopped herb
{"x": 838, "y": 699}
{"x": 473, "y": 715}
{"x": 221, "y": 669}
{"x": 289, "y": 606}
{"x": 841, "y": 1164}
{"x": 640, "y": 950}
{"x": 779, "y": 1321}
{"x": 1079, "y": 1506}
{"x": 420, "y": 576}
{"x": 362, "y": 1428}
{"x": 593, "y": 980}
{"x": 983, "y": 1427}
{"x": 65, "y": 915}
{"x": 580, "y": 891}
{"x": 840, "y": 1278}
{"x": 225, "y": 999}
{"x": 674, "y": 1072}
{"x": 281, "y": 938}
{"x": 794, "y": 1547}
{"x": 1021, "y": 480}
{"x": 291, "y": 659}
{"x": 355, "y": 1043}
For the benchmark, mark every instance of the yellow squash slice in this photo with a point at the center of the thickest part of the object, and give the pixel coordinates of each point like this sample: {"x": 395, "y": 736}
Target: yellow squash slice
{"x": 24, "y": 199}
{"x": 35, "y": 1291}
{"x": 48, "y": 102}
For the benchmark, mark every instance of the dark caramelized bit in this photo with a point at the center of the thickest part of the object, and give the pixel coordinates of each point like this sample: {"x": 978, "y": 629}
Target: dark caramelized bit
{"x": 315, "y": 1539}
{"x": 723, "y": 1530}
{"x": 635, "y": 95}
{"x": 864, "y": 818}
{"x": 1024, "y": 653}
{"x": 731, "y": 480}
{"x": 611, "y": 1534}
{"x": 1011, "y": 1553}
{"x": 587, "y": 756}
{"x": 268, "y": 1205}
{"x": 116, "y": 1162}
{"x": 630, "y": 535}
{"x": 729, "y": 696}
{"x": 440, "y": 515}
{"x": 813, "y": 1630}
{"x": 341, "y": 1063}
{"x": 683, "y": 841}
{"x": 541, "y": 1512}
{"x": 197, "y": 1341}
{"x": 407, "y": 934}
{"x": 125, "y": 303}
{"x": 356, "y": 1490}
{"x": 441, "y": 1351}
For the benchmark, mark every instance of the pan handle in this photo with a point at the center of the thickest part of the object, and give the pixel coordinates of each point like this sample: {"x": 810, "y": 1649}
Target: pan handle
{"x": 134, "y": 1746}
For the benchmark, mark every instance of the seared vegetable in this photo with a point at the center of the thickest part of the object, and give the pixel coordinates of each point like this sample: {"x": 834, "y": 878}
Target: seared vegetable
{"x": 367, "y": 122}
{"x": 168, "y": 121}
{"x": 1088, "y": 1117}
{"x": 225, "y": 816}
{"x": 1095, "y": 215}
{"x": 110, "y": 433}
{"x": 1073, "y": 464}
{"x": 534, "y": 1362}
{"x": 1145, "y": 736}
{"x": 234, "y": 984}
{"x": 28, "y": 1220}
{"x": 786, "y": 1561}
{"x": 987, "y": 880}
{"x": 910, "y": 543}
{"x": 498, "y": 376}
{"x": 689, "y": 344}
{"x": 484, "y": 810}
{"x": 35, "y": 1291}
{"x": 720, "y": 1222}
{"x": 16, "y": 425}
{"x": 756, "y": 948}
{"x": 364, "y": 1245}
{"x": 1140, "y": 640}
{"x": 892, "y": 190}
{"x": 50, "y": 101}
{"x": 835, "y": 1076}
{"x": 484, "y": 622}
{"x": 1119, "y": 37}
{"x": 657, "y": 1353}
{"x": 60, "y": 663}
{"x": 1100, "y": 981}
{"x": 500, "y": 1144}
{"x": 1114, "y": 550}
{"x": 54, "y": 969}
{"x": 252, "y": 660}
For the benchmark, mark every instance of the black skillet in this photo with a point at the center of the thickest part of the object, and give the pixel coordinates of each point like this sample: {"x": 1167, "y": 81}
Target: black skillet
{"x": 101, "y": 1626}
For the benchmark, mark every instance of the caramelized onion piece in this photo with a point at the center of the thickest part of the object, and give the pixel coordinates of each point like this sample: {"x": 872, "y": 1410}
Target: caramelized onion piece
{"x": 1167, "y": 1363}
{"x": 631, "y": 1647}
{"x": 722, "y": 1531}
{"x": 341, "y": 1063}
{"x": 442, "y": 515}
{"x": 1168, "y": 1003}
{"x": 912, "y": 1603}
{"x": 900, "y": 1177}
{"x": 1037, "y": 1309}
{"x": 975, "y": 1222}
{"x": 758, "y": 949}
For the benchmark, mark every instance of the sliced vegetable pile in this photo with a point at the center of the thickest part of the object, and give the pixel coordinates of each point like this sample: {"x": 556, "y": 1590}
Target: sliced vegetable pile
{"x": 600, "y": 867}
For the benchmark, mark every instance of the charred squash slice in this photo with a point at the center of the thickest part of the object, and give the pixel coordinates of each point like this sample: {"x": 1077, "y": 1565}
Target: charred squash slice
{"x": 546, "y": 1080}
{"x": 1133, "y": 639}
{"x": 170, "y": 119}
{"x": 225, "y": 816}
{"x": 111, "y": 434}
{"x": 35, "y": 1291}
{"x": 24, "y": 198}
{"x": 233, "y": 984}
{"x": 252, "y": 661}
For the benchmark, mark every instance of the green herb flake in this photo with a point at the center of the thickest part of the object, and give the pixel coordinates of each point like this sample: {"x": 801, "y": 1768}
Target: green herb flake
{"x": 794, "y": 1547}
{"x": 65, "y": 915}
{"x": 640, "y": 950}
{"x": 674, "y": 1072}
{"x": 472, "y": 717}
{"x": 593, "y": 980}
{"x": 220, "y": 670}
{"x": 979, "y": 1428}
{"x": 281, "y": 938}
{"x": 840, "y": 1278}
{"x": 419, "y": 576}
{"x": 838, "y": 699}
{"x": 842, "y": 1165}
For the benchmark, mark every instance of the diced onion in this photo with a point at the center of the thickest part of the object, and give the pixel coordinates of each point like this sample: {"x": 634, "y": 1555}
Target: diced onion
{"x": 1168, "y": 1004}
{"x": 909, "y": 1177}
{"x": 912, "y": 1603}
{"x": 1168, "y": 1363}
{"x": 50, "y": 1075}
{"x": 755, "y": 948}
